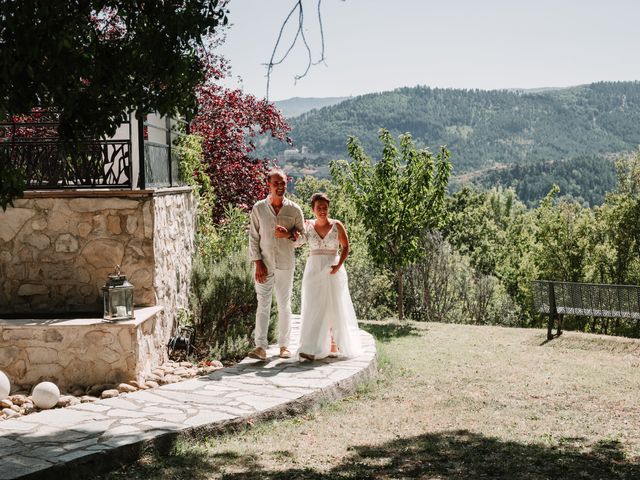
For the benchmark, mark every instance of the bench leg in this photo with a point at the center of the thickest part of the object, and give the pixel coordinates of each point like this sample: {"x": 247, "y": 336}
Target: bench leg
{"x": 550, "y": 328}
{"x": 560, "y": 319}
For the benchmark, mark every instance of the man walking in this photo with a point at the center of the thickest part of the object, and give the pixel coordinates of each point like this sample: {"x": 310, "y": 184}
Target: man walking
{"x": 276, "y": 223}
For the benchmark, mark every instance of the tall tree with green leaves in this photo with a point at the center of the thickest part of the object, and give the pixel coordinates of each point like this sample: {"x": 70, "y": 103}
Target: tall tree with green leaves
{"x": 399, "y": 198}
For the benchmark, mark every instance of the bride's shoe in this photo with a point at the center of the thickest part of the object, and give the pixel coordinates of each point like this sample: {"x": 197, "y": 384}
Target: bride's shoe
{"x": 307, "y": 356}
{"x": 334, "y": 351}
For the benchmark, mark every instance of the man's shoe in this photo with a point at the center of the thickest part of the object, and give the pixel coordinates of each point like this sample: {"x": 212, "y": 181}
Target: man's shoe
{"x": 258, "y": 353}
{"x": 284, "y": 352}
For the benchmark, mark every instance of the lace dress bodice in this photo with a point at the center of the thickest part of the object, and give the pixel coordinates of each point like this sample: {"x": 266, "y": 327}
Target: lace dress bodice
{"x": 318, "y": 245}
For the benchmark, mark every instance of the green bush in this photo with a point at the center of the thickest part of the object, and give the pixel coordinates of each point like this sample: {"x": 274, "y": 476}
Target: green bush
{"x": 223, "y": 299}
{"x": 372, "y": 289}
{"x": 223, "y": 305}
{"x": 443, "y": 287}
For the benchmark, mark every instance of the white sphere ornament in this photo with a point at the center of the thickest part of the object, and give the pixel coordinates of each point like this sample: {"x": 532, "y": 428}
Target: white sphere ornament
{"x": 45, "y": 395}
{"x": 5, "y": 385}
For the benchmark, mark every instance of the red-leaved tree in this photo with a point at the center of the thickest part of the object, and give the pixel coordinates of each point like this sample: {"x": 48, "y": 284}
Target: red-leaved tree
{"x": 230, "y": 121}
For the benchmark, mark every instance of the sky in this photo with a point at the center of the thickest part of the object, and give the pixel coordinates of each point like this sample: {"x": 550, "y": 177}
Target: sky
{"x": 376, "y": 45}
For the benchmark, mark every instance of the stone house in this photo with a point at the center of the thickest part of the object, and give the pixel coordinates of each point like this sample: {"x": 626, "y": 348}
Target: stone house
{"x": 62, "y": 239}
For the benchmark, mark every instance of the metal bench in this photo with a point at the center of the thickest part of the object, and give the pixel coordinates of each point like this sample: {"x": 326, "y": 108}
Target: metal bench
{"x": 558, "y": 299}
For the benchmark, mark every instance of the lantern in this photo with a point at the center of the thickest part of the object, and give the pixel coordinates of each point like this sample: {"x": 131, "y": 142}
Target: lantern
{"x": 118, "y": 297}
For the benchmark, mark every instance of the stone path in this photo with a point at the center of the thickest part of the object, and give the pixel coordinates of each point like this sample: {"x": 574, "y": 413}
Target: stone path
{"x": 80, "y": 441}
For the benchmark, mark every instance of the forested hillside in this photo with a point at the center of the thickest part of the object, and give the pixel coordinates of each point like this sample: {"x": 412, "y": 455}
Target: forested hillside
{"x": 481, "y": 128}
{"x": 586, "y": 179}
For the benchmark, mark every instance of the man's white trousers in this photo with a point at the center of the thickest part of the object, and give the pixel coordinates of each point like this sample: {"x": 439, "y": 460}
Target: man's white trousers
{"x": 282, "y": 282}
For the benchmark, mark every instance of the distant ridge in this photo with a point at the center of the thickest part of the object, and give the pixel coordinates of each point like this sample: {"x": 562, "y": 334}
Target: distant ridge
{"x": 292, "y": 107}
{"x": 481, "y": 128}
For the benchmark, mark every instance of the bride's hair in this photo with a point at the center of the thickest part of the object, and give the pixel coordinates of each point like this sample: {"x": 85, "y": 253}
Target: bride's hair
{"x": 319, "y": 196}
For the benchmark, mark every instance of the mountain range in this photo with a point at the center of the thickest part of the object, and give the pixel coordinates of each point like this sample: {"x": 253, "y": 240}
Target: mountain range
{"x": 489, "y": 133}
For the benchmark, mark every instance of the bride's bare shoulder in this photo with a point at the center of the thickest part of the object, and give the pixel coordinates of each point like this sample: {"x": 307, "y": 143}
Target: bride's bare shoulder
{"x": 337, "y": 223}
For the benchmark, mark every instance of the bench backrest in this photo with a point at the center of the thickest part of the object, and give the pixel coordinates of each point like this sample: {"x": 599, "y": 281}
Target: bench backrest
{"x": 589, "y": 299}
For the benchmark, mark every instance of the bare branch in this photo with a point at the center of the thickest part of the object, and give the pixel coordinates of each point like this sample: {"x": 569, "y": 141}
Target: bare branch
{"x": 299, "y": 35}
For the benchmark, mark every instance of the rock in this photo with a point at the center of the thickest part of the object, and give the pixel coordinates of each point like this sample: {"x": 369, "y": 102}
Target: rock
{"x": 158, "y": 371}
{"x": 180, "y": 371}
{"x": 84, "y": 229}
{"x": 13, "y": 220}
{"x": 15, "y": 408}
{"x": 66, "y": 243}
{"x": 96, "y": 390}
{"x": 37, "y": 240}
{"x": 171, "y": 379}
{"x": 113, "y": 224}
{"x": 45, "y": 395}
{"x": 151, "y": 384}
{"x": 110, "y": 393}
{"x": 18, "y": 399}
{"x": 168, "y": 369}
{"x": 67, "y": 400}
{"x": 186, "y": 364}
{"x": 77, "y": 392}
{"x": 153, "y": 377}
{"x": 6, "y": 403}
{"x": 132, "y": 223}
{"x": 126, "y": 388}
{"x": 10, "y": 413}
{"x": 28, "y": 408}
{"x": 103, "y": 253}
{"x": 88, "y": 398}
{"x": 29, "y": 289}
{"x": 143, "y": 386}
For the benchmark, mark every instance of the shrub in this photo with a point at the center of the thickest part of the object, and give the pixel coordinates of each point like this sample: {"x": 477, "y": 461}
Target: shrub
{"x": 444, "y": 287}
{"x": 223, "y": 305}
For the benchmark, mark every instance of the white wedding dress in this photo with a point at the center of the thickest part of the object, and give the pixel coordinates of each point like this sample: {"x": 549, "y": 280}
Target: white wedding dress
{"x": 327, "y": 309}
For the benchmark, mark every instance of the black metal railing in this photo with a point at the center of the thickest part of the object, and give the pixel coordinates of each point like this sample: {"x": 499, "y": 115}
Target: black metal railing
{"x": 94, "y": 164}
{"x": 30, "y": 143}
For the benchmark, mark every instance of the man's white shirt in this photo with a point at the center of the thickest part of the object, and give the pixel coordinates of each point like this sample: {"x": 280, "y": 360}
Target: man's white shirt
{"x": 276, "y": 253}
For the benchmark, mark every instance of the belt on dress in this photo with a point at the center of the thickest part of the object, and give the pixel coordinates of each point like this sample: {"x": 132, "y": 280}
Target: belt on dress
{"x": 323, "y": 251}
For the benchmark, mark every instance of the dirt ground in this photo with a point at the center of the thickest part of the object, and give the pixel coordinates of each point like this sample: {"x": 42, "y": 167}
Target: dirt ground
{"x": 451, "y": 402}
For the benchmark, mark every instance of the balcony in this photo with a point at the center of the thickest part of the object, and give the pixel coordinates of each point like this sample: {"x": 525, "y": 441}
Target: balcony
{"x": 141, "y": 155}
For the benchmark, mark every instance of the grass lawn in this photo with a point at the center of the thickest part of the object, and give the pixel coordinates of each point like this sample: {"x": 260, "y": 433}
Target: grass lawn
{"x": 451, "y": 402}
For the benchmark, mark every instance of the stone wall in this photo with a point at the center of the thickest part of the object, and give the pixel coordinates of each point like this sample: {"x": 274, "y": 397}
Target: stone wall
{"x": 56, "y": 253}
{"x": 174, "y": 244}
{"x": 80, "y": 351}
{"x": 58, "y": 248}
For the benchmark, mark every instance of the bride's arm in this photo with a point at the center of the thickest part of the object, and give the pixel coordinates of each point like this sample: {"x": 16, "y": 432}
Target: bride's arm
{"x": 344, "y": 246}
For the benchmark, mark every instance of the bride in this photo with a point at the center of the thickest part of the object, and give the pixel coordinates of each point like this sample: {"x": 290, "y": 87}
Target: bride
{"x": 329, "y": 325}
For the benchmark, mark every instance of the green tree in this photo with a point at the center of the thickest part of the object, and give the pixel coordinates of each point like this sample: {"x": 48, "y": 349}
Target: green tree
{"x": 562, "y": 233}
{"x": 95, "y": 61}
{"x": 615, "y": 238}
{"x": 398, "y": 198}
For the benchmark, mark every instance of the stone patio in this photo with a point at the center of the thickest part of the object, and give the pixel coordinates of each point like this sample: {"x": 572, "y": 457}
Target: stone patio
{"x": 80, "y": 441}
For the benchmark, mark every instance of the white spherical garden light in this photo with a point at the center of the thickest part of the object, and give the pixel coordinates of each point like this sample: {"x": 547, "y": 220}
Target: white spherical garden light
{"x": 5, "y": 385}
{"x": 45, "y": 395}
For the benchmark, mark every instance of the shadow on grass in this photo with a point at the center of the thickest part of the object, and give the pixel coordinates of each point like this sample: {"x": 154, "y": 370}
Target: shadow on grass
{"x": 443, "y": 455}
{"x": 385, "y": 332}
